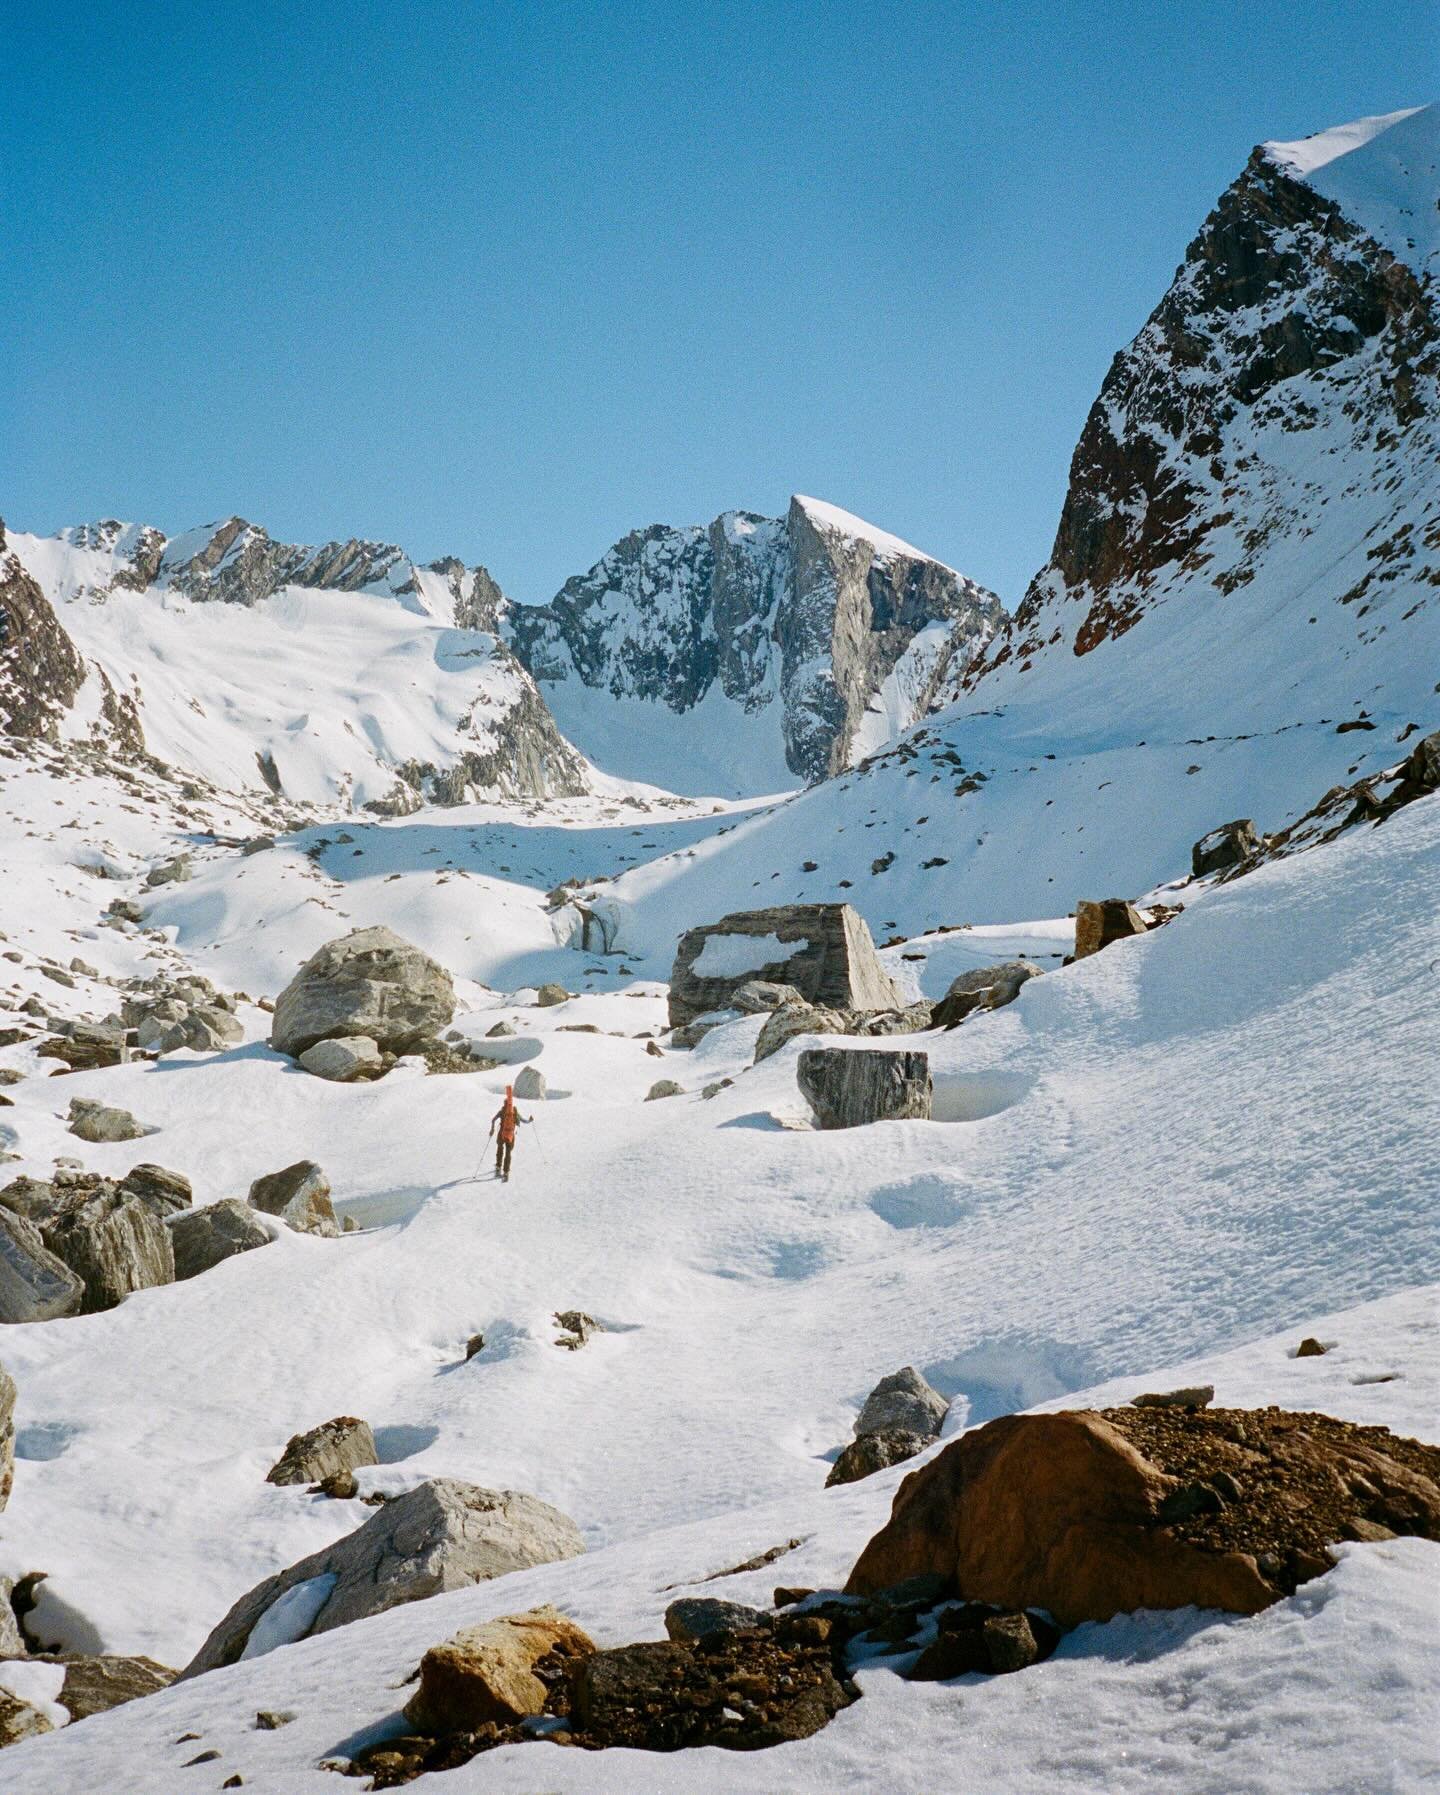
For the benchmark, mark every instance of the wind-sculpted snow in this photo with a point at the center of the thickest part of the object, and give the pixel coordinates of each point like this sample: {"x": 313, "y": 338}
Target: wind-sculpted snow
{"x": 739, "y": 656}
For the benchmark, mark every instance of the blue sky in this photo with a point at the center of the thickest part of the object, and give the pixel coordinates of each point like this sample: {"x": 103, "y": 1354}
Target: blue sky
{"x": 507, "y": 280}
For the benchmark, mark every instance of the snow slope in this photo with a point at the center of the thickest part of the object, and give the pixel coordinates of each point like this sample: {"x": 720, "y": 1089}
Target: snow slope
{"x": 343, "y": 693}
{"x": 1143, "y": 1164}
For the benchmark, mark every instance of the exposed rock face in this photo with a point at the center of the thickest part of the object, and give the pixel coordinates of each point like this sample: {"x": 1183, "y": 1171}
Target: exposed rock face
{"x": 205, "y": 1237}
{"x": 34, "y": 1284}
{"x": 487, "y": 1673}
{"x": 851, "y": 1087}
{"x": 757, "y": 996}
{"x": 823, "y": 951}
{"x": 344, "y": 1444}
{"x": 7, "y": 1443}
{"x": 300, "y": 1196}
{"x": 549, "y": 995}
{"x": 1230, "y": 845}
{"x": 343, "y": 1062}
{"x": 1285, "y": 316}
{"x": 370, "y": 983}
{"x": 444, "y": 1535}
{"x": 986, "y": 988}
{"x": 814, "y": 612}
{"x": 40, "y": 668}
{"x": 114, "y": 1242}
{"x": 1077, "y": 1513}
{"x": 1098, "y": 922}
{"x": 793, "y": 1019}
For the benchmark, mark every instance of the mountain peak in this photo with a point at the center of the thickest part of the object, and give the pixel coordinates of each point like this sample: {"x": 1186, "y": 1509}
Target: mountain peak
{"x": 1382, "y": 173}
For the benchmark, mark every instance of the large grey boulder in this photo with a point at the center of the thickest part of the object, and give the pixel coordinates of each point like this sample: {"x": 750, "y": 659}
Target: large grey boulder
{"x": 203, "y": 1238}
{"x": 530, "y": 1083}
{"x": 370, "y": 982}
{"x": 823, "y": 950}
{"x": 344, "y": 1062}
{"x": 903, "y": 1402}
{"x": 444, "y": 1535}
{"x": 344, "y": 1444}
{"x": 850, "y": 1087}
{"x": 114, "y": 1242}
{"x": 34, "y": 1284}
{"x": 900, "y": 1417}
{"x": 300, "y": 1196}
{"x": 95, "y": 1121}
{"x": 986, "y": 988}
{"x": 7, "y": 1439}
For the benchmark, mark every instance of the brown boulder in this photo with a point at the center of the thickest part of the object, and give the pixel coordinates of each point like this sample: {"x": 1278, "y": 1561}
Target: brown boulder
{"x": 1101, "y": 921}
{"x": 1089, "y": 1515}
{"x": 487, "y": 1673}
{"x": 1054, "y": 1512}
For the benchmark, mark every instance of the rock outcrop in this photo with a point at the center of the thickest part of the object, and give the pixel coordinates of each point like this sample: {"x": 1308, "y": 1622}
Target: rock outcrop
{"x": 41, "y": 671}
{"x": 1232, "y": 844}
{"x": 91, "y": 1120}
{"x": 350, "y": 1061}
{"x": 823, "y": 951}
{"x": 850, "y": 1087}
{"x": 443, "y": 1535}
{"x": 1087, "y": 1515}
{"x": 369, "y": 983}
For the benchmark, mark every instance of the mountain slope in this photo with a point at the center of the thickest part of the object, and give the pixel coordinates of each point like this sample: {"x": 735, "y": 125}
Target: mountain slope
{"x": 1247, "y": 562}
{"x": 741, "y": 656}
{"x": 344, "y": 674}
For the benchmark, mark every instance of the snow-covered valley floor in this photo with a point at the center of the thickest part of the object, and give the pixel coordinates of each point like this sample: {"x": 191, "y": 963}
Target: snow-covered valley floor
{"x": 1170, "y": 1161}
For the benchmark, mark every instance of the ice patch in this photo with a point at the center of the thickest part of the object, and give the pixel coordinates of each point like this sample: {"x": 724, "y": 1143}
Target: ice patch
{"x": 290, "y": 1616}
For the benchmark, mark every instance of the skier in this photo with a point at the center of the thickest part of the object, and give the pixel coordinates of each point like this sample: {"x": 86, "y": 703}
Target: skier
{"x": 505, "y": 1119}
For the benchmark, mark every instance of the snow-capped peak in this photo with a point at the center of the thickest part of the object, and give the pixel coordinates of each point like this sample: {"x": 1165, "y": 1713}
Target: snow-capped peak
{"x": 845, "y": 523}
{"x": 1382, "y": 173}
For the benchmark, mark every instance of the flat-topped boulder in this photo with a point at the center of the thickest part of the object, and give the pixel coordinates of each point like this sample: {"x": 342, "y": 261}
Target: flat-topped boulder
{"x": 369, "y": 983}
{"x": 824, "y": 952}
